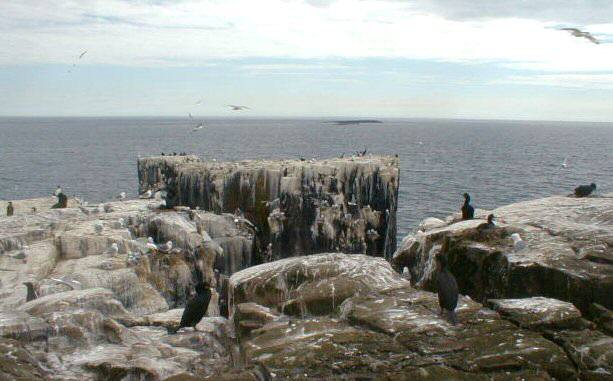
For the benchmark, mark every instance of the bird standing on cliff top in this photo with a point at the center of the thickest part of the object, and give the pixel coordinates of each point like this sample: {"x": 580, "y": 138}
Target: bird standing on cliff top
{"x": 579, "y": 33}
{"x": 122, "y": 196}
{"x": 447, "y": 289}
{"x": 585, "y": 190}
{"x": 195, "y": 309}
{"x": 468, "y": 212}
{"x": 487, "y": 226}
{"x": 146, "y": 195}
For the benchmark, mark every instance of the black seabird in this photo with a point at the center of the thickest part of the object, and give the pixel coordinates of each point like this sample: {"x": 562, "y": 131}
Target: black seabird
{"x": 447, "y": 289}
{"x": 585, "y": 190}
{"x": 195, "y": 308}
{"x": 468, "y": 212}
{"x": 487, "y": 226}
{"x": 31, "y": 291}
{"x": 9, "y": 209}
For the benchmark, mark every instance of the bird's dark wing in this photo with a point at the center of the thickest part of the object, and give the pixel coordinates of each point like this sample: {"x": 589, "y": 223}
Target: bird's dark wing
{"x": 571, "y": 29}
{"x": 592, "y": 38}
{"x": 447, "y": 291}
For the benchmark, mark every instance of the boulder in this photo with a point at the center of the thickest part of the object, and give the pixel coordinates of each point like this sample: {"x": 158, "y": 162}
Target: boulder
{"x": 315, "y": 284}
{"x": 539, "y": 312}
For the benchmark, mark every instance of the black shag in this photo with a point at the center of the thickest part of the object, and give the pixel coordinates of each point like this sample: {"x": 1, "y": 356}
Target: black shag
{"x": 31, "y": 291}
{"x": 9, "y": 209}
{"x": 468, "y": 212}
{"x": 585, "y": 190}
{"x": 447, "y": 289}
{"x": 196, "y": 307}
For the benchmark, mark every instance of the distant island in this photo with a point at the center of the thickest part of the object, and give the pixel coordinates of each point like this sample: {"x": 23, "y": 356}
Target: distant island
{"x": 356, "y": 121}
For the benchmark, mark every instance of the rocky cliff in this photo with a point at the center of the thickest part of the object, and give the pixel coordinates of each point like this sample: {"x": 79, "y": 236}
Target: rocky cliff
{"x": 298, "y": 207}
{"x": 567, "y": 253}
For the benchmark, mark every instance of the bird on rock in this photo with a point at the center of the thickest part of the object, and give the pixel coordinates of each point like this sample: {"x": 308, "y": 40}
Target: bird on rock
{"x": 165, "y": 247}
{"x": 113, "y": 250}
{"x": 585, "y": 190}
{"x": 447, "y": 289}
{"x": 468, "y": 212}
{"x": 32, "y": 294}
{"x": 150, "y": 245}
{"x": 488, "y": 226}
{"x": 518, "y": 243}
{"x": 195, "y": 309}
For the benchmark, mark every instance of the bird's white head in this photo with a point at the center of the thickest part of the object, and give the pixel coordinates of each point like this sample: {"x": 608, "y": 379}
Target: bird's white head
{"x": 169, "y": 244}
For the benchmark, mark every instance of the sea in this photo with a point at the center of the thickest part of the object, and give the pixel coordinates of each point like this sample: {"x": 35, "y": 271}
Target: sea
{"x": 497, "y": 162}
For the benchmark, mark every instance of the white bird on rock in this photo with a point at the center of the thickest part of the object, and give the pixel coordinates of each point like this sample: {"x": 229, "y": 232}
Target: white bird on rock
{"x": 518, "y": 243}
{"x": 122, "y": 196}
{"x": 113, "y": 250}
{"x": 150, "y": 245}
{"x": 166, "y": 247}
{"x": 147, "y": 194}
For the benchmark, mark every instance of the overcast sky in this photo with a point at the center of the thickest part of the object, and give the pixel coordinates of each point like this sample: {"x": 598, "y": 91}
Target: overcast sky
{"x": 386, "y": 58}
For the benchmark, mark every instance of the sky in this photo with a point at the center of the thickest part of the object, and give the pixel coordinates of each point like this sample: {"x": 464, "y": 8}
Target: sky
{"x": 485, "y": 59}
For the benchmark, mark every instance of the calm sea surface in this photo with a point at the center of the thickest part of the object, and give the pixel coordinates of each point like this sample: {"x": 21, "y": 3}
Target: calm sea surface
{"x": 497, "y": 162}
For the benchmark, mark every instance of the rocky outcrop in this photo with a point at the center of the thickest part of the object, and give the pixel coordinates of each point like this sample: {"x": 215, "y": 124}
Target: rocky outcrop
{"x": 297, "y": 207}
{"x": 568, "y": 252}
{"x": 380, "y": 327}
{"x": 103, "y": 313}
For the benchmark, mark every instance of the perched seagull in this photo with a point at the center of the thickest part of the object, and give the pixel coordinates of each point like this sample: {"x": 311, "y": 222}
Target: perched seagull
{"x": 122, "y": 196}
{"x": 565, "y": 162}
{"x": 579, "y": 33}
{"x": 98, "y": 227}
{"x": 238, "y": 108}
{"x": 113, "y": 250}
{"x": 150, "y": 244}
{"x": 166, "y": 247}
{"x": 82, "y": 54}
{"x": 73, "y": 284}
{"x": 518, "y": 243}
{"x": 147, "y": 194}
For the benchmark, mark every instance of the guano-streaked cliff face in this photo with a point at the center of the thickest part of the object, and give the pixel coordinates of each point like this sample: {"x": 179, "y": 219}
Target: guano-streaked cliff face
{"x": 299, "y": 207}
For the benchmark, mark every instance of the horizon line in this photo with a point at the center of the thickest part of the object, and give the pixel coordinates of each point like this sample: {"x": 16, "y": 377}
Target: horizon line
{"x": 335, "y": 117}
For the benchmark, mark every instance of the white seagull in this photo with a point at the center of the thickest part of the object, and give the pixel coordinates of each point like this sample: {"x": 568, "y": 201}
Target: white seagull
{"x": 150, "y": 245}
{"x": 565, "y": 162}
{"x": 122, "y": 196}
{"x": 113, "y": 250}
{"x": 147, "y": 194}
{"x": 518, "y": 243}
{"x": 166, "y": 247}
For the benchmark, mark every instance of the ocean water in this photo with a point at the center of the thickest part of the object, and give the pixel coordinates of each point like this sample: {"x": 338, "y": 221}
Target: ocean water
{"x": 497, "y": 162}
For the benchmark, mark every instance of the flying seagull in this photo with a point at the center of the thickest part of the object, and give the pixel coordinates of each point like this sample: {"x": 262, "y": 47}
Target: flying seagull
{"x": 200, "y": 126}
{"x": 82, "y": 54}
{"x": 578, "y": 33}
{"x": 238, "y": 108}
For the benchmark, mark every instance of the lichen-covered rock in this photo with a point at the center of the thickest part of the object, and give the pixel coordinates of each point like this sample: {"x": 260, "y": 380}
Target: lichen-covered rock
{"x": 568, "y": 253}
{"x": 299, "y": 207}
{"x": 315, "y": 284}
